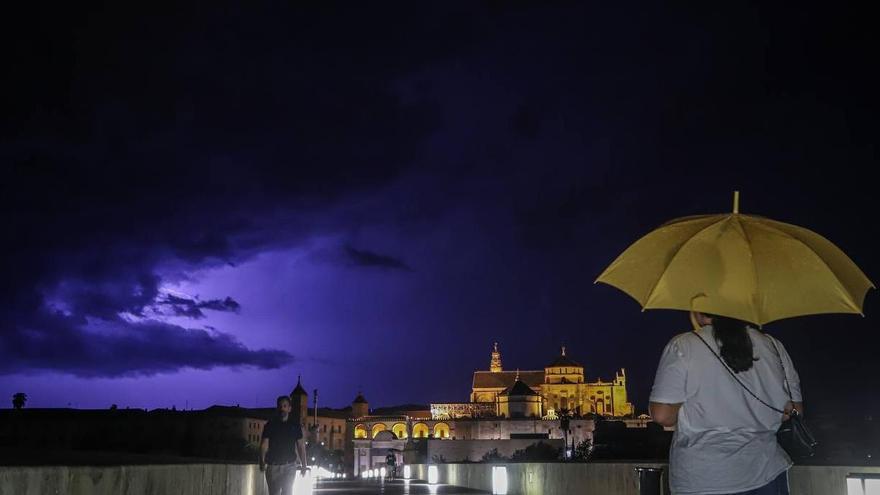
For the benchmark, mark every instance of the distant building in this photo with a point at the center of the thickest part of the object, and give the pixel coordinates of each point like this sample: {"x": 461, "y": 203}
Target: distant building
{"x": 508, "y": 411}
{"x": 560, "y": 386}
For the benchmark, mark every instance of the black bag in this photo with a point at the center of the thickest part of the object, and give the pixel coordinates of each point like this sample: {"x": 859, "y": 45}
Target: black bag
{"x": 793, "y": 435}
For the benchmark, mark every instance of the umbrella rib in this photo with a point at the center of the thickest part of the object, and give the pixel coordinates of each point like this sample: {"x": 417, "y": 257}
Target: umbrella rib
{"x": 742, "y": 226}
{"x": 677, "y": 251}
{"x": 819, "y": 256}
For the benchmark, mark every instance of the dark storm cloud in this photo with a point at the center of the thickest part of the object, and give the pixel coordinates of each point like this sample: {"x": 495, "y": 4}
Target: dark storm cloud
{"x": 131, "y": 139}
{"x": 54, "y": 342}
{"x": 192, "y": 308}
{"x": 364, "y": 258}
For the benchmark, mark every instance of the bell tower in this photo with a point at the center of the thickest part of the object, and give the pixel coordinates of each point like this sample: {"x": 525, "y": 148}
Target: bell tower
{"x": 299, "y": 401}
{"x": 495, "y": 363}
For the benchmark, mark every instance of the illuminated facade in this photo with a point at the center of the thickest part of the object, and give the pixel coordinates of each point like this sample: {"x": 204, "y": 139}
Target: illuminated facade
{"x": 560, "y": 386}
{"x": 507, "y": 411}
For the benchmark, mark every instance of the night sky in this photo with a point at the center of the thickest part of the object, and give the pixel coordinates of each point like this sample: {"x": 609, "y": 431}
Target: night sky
{"x": 201, "y": 203}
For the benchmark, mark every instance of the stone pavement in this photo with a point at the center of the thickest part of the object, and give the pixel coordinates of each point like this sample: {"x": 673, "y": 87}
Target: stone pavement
{"x": 396, "y": 487}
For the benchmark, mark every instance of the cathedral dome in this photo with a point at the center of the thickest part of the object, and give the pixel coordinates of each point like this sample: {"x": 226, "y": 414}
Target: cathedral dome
{"x": 563, "y": 361}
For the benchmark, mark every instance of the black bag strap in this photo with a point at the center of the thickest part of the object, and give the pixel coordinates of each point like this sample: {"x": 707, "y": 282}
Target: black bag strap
{"x": 741, "y": 384}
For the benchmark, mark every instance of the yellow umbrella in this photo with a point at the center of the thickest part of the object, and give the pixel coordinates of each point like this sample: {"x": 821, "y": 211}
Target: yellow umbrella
{"x": 741, "y": 266}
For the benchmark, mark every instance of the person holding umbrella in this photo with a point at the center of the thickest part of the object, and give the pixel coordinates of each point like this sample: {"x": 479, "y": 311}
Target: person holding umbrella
{"x": 725, "y": 441}
{"x": 728, "y": 386}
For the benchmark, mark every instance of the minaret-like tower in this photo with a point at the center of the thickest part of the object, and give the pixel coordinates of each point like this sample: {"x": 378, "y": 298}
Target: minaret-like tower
{"x": 495, "y": 363}
{"x": 360, "y": 408}
{"x": 299, "y": 401}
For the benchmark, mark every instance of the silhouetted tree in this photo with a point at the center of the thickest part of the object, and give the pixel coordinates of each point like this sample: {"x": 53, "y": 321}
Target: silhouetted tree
{"x": 493, "y": 456}
{"x": 18, "y": 400}
{"x": 583, "y": 451}
{"x": 537, "y": 452}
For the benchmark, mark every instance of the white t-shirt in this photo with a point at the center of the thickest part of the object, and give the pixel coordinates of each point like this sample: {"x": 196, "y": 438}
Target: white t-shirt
{"x": 725, "y": 440}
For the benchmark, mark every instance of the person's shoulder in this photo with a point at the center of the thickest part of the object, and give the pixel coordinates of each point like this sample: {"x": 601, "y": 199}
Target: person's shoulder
{"x": 684, "y": 338}
{"x": 769, "y": 340}
{"x": 681, "y": 343}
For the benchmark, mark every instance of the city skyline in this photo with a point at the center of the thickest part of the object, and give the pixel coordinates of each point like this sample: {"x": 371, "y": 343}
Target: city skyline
{"x": 205, "y": 205}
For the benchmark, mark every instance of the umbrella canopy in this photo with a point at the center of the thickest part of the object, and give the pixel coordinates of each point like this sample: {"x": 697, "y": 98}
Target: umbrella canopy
{"x": 741, "y": 266}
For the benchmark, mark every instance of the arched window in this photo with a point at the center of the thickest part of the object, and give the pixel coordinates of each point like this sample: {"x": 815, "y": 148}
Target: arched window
{"x": 377, "y": 428}
{"x": 360, "y": 431}
{"x": 441, "y": 430}
{"x": 399, "y": 430}
{"x": 420, "y": 430}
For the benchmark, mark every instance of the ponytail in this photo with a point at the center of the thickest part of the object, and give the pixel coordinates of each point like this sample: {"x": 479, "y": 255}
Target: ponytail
{"x": 732, "y": 337}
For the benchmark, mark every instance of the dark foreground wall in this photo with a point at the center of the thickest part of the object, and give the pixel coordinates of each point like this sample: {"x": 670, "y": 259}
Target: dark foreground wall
{"x": 183, "y": 479}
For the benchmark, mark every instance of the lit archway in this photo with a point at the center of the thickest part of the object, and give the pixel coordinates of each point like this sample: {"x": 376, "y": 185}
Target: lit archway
{"x": 420, "y": 430}
{"x": 377, "y": 428}
{"x": 360, "y": 431}
{"x": 399, "y": 430}
{"x": 441, "y": 430}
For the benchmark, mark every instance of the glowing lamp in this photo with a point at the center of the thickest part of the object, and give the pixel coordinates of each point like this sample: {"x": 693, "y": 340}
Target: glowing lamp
{"x": 407, "y": 472}
{"x": 499, "y": 480}
{"x": 863, "y": 484}
{"x": 433, "y": 475}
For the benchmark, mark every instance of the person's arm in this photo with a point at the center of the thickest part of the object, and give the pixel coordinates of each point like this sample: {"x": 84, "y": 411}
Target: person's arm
{"x": 669, "y": 390}
{"x": 792, "y": 381}
{"x": 664, "y": 414}
{"x": 264, "y": 448}
{"x": 301, "y": 454}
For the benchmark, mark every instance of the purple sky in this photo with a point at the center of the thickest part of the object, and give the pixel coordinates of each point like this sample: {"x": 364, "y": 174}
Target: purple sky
{"x": 204, "y": 204}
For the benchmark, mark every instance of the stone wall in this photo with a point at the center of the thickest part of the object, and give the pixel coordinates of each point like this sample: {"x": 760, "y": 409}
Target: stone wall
{"x": 473, "y": 450}
{"x": 184, "y": 479}
{"x": 617, "y": 478}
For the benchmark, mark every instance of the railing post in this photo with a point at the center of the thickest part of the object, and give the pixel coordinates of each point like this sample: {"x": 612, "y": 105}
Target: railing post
{"x": 651, "y": 481}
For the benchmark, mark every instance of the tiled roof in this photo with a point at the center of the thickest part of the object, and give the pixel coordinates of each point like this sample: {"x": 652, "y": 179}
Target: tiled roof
{"x": 504, "y": 379}
{"x": 518, "y": 389}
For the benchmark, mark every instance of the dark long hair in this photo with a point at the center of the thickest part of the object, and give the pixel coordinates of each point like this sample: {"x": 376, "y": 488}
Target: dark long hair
{"x": 733, "y": 338}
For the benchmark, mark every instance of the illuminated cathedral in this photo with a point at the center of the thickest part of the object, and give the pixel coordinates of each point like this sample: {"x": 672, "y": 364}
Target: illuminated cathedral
{"x": 560, "y": 386}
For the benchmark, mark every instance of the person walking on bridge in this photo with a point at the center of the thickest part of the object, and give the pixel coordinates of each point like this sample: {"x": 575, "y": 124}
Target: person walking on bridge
{"x": 280, "y": 447}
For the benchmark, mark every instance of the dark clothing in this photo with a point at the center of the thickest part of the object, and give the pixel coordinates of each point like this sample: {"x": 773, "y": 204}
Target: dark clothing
{"x": 282, "y": 437}
{"x": 779, "y": 486}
